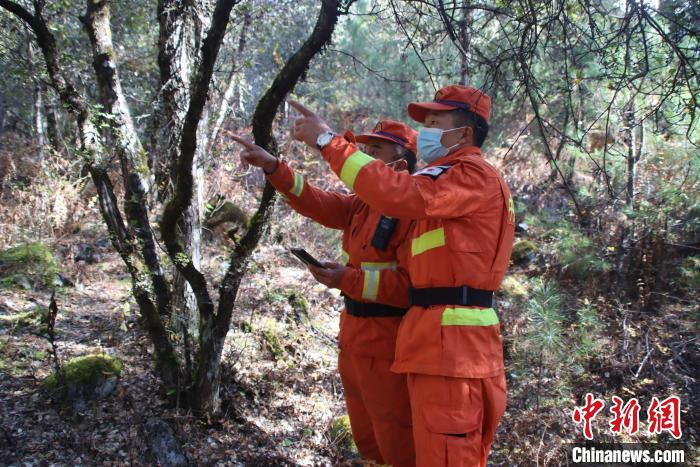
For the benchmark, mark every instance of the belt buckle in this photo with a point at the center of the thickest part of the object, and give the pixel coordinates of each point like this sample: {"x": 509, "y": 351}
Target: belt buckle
{"x": 465, "y": 295}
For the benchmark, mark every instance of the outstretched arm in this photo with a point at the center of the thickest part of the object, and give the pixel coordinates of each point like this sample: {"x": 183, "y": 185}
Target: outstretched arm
{"x": 396, "y": 194}
{"x": 333, "y": 210}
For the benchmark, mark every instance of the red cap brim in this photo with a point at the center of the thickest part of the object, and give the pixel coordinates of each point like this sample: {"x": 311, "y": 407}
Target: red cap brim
{"x": 418, "y": 110}
{"x": 367, "y": 137}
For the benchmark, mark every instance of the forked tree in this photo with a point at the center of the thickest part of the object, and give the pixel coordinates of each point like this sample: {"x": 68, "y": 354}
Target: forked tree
{"x": 189, "y": 368}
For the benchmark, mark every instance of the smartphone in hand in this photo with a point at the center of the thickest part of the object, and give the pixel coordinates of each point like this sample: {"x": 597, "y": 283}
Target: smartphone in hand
{"x": 305, "y": 257}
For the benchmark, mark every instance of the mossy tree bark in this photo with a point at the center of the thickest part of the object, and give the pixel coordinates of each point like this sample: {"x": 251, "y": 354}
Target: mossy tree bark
{"x": 130, "y": 231}
{"x": 129, "y": 240}
{"x": 177, "y": 57}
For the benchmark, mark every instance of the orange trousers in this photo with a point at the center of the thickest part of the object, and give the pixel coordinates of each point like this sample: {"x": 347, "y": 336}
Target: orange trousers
{"x": 455, "y": 419}
{"x": 379, "y": 409}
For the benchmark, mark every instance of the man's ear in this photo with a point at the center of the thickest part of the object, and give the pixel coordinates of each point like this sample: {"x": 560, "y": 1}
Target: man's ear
{"x": 400, "y": 164}
{"x": 467, "y": 136}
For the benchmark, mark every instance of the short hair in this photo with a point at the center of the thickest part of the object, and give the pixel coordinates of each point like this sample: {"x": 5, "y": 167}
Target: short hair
{"x": 463, "y": 117}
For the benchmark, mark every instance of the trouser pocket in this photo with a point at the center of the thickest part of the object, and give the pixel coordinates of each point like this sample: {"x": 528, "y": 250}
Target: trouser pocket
{"x": 455, "y": 433}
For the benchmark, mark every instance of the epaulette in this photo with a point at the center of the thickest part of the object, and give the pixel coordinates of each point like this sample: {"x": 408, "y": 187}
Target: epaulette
{"x": 434, "y": 171}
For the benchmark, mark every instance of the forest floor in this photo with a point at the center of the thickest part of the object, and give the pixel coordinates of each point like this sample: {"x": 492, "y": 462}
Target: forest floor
{"x": 280, "y": 389}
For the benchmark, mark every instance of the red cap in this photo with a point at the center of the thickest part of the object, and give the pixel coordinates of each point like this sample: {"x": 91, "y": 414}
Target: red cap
{"x": 451, "y": 98}
{"x": 394, "y": 132}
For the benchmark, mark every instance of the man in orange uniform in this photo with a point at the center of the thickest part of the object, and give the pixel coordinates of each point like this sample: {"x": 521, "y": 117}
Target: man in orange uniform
{"x": 458, "y": 250}
{"x": 375, "y": 288}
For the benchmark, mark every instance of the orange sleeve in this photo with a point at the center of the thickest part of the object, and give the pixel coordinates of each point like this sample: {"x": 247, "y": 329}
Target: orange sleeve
{"x": 386, "y": 286}
{"x": 333, "y": 210}
{"x": 382, "y": 282}
{"x": 459, "y": 191}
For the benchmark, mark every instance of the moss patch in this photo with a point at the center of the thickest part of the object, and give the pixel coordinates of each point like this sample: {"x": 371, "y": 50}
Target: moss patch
{"x": 300, "y": 307}
{"x": 86, "y": 371}
{"x": 523, "y": 251}
{"x": 33, "y": 261}
{"x": 272, "y": 341}
{"x": 35, "y": 319}
{"x": 4, "y": 355}
{"x": 513, "y": 286}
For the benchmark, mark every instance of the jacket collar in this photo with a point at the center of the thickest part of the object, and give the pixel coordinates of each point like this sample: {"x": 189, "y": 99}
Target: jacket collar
{"x": 457, "y": 154}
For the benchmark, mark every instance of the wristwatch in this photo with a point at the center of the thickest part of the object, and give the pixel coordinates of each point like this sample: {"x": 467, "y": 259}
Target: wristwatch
{"x": 324, "y": 139}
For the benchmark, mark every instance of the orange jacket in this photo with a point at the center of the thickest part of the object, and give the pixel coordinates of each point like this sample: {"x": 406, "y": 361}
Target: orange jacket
{"x": 371, "y": 275}
{"x": 462, "y": 235}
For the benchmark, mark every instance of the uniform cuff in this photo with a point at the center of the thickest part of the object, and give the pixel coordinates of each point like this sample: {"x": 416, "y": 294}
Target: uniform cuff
{"x": 347, "y": 283}
{"x": 282, "y": 178}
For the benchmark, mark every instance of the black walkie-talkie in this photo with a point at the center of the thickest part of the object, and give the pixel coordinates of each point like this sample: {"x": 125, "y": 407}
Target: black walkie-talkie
{"x": 382, "y": 234}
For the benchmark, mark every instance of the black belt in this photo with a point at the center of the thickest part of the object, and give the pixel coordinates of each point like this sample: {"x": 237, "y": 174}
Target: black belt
{"x": 372, "y": 310}
{"x": 465, "y": 296}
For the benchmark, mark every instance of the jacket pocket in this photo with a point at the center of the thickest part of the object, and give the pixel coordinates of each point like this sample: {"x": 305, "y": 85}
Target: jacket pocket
{"x": 459, "y": 237}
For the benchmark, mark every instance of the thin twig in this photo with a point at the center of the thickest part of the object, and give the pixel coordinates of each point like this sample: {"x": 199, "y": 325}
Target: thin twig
{"x": 646, "y": 357}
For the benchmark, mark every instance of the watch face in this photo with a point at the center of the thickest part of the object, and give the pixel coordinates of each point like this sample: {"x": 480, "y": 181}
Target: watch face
{"x": 324, "y": 139}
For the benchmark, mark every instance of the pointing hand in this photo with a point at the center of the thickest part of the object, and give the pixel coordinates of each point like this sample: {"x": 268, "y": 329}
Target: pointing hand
{"x": 256, "y": 156}
{"x": 309, "y": 126}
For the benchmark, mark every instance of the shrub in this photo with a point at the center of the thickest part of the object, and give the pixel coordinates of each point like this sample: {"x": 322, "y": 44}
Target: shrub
{"x": 541, "y": 349}
{"x": 340, "y": 433}
{"x": 588, "y": 328}
{"x": 690, "y": 274}
{"x": 576, "y": 253}
{"x": 545, "y": 335}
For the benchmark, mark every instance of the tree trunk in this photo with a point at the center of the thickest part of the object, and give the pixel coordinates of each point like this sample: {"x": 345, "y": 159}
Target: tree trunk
{"x": 465, "y": 38}
{"x": 230, "y": 93}
{"x": 185, "y": 186}
{"x": 37, "y": 122}
{"x": 631, "y": 129}
{"x": 39, "y": 139}
{"x": 628, "y": 247}
{"x": 215, "y": 327}
{"x": 174, "y": 62}
{"x": 3, "y": 113}
{"x": 52, "y": 129}
{"x": 135, "y": 173}
{"x": 97, "y": 162}
{"x": 178, "y": 41}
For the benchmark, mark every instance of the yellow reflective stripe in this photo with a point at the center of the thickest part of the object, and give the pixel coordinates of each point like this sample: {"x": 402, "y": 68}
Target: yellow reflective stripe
{"x": 511, "y": 210}
{"x": 369, "y": 266}
{"x": 469, "y": 317}
{"x": 298, "y": 186}
{"x": 344, "y": 257}
{"x": 371, "y": 285}
{"x": 352, "y": 166}
{"x": 428, "y": 241}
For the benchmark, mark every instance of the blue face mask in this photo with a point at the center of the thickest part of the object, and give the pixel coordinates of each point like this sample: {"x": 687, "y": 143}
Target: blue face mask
{"x": 430, "y": 146}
